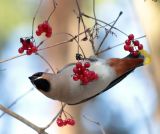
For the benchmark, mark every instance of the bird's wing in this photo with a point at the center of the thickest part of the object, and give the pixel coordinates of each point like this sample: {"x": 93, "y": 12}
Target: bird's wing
{"x": 122, "y": 76}
{"x": 113, "y": 83}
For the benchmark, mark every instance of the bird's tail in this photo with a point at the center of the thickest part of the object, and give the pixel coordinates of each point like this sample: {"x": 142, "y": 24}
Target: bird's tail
{"x": 128, "y": 63}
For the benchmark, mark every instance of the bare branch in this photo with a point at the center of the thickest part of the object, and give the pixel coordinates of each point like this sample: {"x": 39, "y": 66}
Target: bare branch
{"x": 108, "y": 32}
{"x": 97, "y": 123}
{"x": 55, "y": 45}
{"x": 22, "y": 119}
{"x": 105, "y": 23}
{"x": 35, "y": 16}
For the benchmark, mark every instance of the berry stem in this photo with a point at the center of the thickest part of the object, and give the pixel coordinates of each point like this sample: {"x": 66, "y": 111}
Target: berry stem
{"x": 59, "y": 113}
{"x": 35, "y": 16}
{"x": 54, "y": 8}
{"x": 53, "y": 70}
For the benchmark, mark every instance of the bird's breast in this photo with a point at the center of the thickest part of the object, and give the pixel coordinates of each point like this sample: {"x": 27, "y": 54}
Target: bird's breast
{"x": 71, "y": 92}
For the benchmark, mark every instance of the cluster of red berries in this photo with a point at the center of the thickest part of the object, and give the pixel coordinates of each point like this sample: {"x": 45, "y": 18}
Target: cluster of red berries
{"x": 44, "y": 28}
{"x": 68, "y": 121}
{"x": 133, "y": 46}
{"x": 27, "y": 45}
{"x": 82, "y": 73}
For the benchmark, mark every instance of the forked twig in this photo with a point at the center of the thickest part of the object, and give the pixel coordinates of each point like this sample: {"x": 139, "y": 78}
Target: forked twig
{"x": 97, "y": 123}
{"x": 87, "y": 16}
{"x": 54, "y": 8}
{"x": 22, "y": 119}
{"x": 39, "y": 130}
{"x": 35, "y": 16}
{"x": 40, "y": 49}
{"x": 108, "y": 32}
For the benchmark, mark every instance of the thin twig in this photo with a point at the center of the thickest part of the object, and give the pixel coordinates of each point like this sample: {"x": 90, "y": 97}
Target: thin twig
{"x": 54, "y": 8}
{"x": 146, "y": 118}
{"x": 35, "y": 16}
{"x": 55, "y": 45}
{"x": 54, "y": 72}
{"x": 108, "y": 33}
{"x": 97, "y": 123}
{"x": 2, "y": 61}
{"x": 81, "y": 17}
{"x": 87, "y": 16}
{"x": 17, "y": 100}
{"x": 76, "y": 42}
{"x": 22, "y": 119}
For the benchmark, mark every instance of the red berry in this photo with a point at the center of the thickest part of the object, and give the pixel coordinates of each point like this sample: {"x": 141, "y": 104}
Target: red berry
{"x": 140, "y": 46}
{"x": 126, "y": 47}
{"x": 131, "y": 37}
{"x": 34, "y": 49}
{"x": 78, "y": 64}
{"x": 45, "y": 25}
{"x": 38, "y": 33}
{"x": 82, "y": 69}
{"x": 85, "y": 81}
{"x": 131, "y": 49}
{"x": 87, "y": 65}
{"x": 29, "y": 52}
{"x": 30, "y": 45}
{"x": 75, "y": 70}
{"x": 64, "y": 122}
{"x": 75, "y": 78}
{"x": 96, "y": 77}
{"x": 21, "y": 50}
{"x": 48, "y": 35}
{"x": 92, "y": 75}
{"x": 59, "y": 122}
{"x": 49, "y": 30}
{"x": 40, "y": 28}
{"x": 128, "y": 42}
{"x": 86, "y": 73}
{"x": 135, "y": 53}
{"x": 70, "y": 122}
{"x": 136, "y": 42}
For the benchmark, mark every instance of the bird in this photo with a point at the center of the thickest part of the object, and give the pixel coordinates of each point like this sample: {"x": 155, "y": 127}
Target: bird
{"x": 62, "y": 87}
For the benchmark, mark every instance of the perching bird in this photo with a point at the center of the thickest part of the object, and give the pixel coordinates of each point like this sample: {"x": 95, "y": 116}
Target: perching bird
{"x": 62, "y": 87}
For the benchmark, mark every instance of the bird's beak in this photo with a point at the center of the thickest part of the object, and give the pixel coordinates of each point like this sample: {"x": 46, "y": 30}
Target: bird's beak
{"x": 32, "y": 78}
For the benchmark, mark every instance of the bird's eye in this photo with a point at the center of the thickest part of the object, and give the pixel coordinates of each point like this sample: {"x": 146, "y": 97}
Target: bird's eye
{"x": 38, "y": 74}
{"x": 42, "y": 84}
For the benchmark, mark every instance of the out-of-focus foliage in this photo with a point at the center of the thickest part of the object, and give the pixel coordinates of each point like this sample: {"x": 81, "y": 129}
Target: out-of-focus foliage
{"x": 12, "y": 14}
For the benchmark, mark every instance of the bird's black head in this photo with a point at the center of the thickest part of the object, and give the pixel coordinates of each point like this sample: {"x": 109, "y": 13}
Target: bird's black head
{"x": 40, "y": 82}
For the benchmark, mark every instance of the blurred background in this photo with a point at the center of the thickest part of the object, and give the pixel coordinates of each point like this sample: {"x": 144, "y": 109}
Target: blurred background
{"x": 131, "y": 107}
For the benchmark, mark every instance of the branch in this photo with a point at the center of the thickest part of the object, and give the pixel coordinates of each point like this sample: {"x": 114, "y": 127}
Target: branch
{"x": 97, "y": 123}
{"x": 22, "y": 119}
{"x": 108, "y": 32}
{"x": 87, "y": 16}
{"x": 55, "y": 45}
